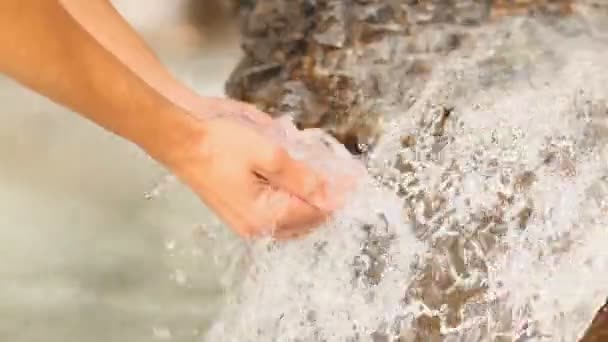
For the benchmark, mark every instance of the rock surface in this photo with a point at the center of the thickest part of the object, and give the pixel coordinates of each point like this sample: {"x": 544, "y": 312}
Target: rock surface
{"x": 351, "y": 66}
{"x": 598, "y": 330}
{"x": 341, "y": 64}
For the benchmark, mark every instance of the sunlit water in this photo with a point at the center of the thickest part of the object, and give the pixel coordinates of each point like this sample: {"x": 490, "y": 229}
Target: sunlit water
{"x": 494, "y": 230}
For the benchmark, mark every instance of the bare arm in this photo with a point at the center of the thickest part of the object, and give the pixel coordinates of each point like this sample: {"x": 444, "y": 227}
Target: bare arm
{"x": 83, "y": 55}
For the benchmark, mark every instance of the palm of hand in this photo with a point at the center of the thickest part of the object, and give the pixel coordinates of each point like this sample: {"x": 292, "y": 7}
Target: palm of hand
{"x": 252, "y": 183}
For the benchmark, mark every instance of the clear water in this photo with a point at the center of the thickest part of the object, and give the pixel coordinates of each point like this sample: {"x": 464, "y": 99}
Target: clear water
{"x": 499, "y": 232}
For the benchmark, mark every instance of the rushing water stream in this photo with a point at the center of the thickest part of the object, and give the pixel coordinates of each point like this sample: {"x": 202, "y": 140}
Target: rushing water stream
{"x": 485, "y": 219}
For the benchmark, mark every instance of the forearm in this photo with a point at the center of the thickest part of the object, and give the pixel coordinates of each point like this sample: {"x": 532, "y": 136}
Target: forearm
{"x": 83, "y": 55}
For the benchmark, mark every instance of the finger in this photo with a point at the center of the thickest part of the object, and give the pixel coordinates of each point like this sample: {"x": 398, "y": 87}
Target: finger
{"x": 237, "y": 109}
{"x": 294, "y": 177}
{"x": 253, "y": 114}
{"x": 299, "y": 219}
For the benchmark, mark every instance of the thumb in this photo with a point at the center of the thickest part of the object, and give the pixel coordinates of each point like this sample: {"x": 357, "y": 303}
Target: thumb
{"x": 296, "y": 178}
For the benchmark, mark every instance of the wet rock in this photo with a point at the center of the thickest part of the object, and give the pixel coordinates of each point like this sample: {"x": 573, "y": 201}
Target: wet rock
{"x": 348, "y": 66}
{"x": 530, "y": 7}
{"x": 342, "y": 64}
{"x": 214, "y": 17}
{"x": 598, "y": 330}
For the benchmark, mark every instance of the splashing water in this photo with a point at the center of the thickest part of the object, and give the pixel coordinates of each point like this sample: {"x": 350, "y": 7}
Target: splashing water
{"x": 485, "y": 218}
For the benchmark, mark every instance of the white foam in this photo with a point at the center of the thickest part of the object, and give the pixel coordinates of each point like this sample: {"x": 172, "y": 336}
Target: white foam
{"x": 544, "y": 276}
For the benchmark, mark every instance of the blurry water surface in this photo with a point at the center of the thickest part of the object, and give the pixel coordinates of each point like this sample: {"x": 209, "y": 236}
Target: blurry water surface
{"x": 84, "y": 256}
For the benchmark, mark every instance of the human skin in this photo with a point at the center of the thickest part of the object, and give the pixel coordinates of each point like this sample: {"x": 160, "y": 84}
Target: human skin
{"x": 85, "y": 56}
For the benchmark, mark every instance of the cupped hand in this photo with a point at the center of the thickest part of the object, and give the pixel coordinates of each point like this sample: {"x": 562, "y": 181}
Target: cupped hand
{"x": 242, "y": 171}
{"x": 223, "y": 107}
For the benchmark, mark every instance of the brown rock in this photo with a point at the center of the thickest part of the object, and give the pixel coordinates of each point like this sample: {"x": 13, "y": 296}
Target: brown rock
{"x": 501, "y": 8}
{"x": 346, "y": 66}
{"x": 598, "y": 330}
{"x": 339, "y": 64}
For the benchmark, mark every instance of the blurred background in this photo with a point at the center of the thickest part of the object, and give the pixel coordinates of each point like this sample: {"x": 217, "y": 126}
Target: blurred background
{"x": 84, "y": 256}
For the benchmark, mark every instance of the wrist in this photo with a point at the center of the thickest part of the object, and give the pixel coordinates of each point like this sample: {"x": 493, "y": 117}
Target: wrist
{"x": 172, "y": 137}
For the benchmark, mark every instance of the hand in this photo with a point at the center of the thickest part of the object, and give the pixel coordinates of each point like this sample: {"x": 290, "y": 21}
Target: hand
{"x": 251, "y": 182}
{"x": 223, "y": 107}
